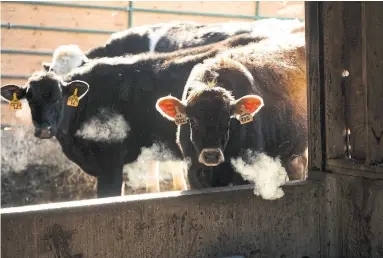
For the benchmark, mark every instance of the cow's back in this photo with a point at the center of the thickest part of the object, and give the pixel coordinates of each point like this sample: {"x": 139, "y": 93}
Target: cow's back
{"x": 279, "y": 73}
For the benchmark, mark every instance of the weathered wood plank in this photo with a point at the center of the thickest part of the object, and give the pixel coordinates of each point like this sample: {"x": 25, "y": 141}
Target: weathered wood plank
{"x": 211, "y": 223}
{"x": 362, "y": 220}
{"x": 64, "y": 17}
{"x": 351, "y": 217}
{"x": 330, "y": 218}
{"x": 48, "y": 40}
{"x": 355, "y": 99}
{"x": 12, "y": 64}
{"x": 333, "y": 41}
{"x": 355, "y": 168}
{"x": 372, "y": 17}
{"x": 314, "y": 59}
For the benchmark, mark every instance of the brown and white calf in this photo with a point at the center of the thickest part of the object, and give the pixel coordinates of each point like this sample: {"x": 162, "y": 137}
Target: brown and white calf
{"x": 252, "y": 97}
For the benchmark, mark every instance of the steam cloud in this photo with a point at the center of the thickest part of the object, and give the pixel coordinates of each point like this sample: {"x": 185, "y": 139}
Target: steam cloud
{"x": 137, "y": 172}
{"x": 20, "y": 148}
{"x": 266, "y": 172}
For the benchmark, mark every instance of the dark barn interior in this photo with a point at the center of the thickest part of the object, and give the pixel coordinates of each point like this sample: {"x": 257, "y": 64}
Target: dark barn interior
{"x": 336, "y": 212}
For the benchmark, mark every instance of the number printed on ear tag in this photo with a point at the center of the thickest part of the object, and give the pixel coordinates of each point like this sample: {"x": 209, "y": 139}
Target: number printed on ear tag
{"x": 15, "y": 104}
{"x": 73, "y": 100}
{"x": 245, "y": 116}
{"x": 180, "y": 118}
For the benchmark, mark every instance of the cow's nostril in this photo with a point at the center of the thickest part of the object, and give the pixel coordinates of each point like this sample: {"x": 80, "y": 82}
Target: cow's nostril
{"x": 211, "y": 156}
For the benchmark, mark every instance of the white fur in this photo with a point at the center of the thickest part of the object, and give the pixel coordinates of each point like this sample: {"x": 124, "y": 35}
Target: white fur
{"x": 155, "y": 36}
{"x": 267, "y": 174}
{"x": 66, "y": 58}
{"x": 106, "y": 126}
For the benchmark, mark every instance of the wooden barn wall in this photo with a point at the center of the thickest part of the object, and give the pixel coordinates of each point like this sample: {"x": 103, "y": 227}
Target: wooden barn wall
{"x": 346, "y": 93}
{"x": 353, "y": 78}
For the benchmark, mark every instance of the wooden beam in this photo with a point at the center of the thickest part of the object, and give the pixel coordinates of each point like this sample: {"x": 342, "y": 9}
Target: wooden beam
{"x": 333, "y": 41}
{"x": 372, "y": 17}
{"x": 353, "y": 87}
{"x": 354, "y": 168}
{"x": 208, "y": 223}
{"x": 314, "y": 62}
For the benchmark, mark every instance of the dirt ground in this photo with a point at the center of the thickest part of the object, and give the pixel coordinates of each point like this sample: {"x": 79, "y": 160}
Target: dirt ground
{"x": 35, "y": 171}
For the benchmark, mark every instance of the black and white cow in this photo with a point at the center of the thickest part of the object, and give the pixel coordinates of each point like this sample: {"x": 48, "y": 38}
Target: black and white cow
{"x": 264, "y": 84}
{"x": 164, "y": 37}
{"x": 116, "y": 115}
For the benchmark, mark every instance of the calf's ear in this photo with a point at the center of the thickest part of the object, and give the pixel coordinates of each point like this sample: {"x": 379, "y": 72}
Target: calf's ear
{"x": 81, "y": 86}
{"x": 8, "y": 90}
{"x": 168, "y": 107}
{"x": 47, "y": 66}
{"x": 249, "y": 103}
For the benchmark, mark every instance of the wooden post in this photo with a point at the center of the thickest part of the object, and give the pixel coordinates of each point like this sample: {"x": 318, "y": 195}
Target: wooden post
{"x": 333, "y": 41}
{"x": 315, "y": 92}
{"x": 372, "y": 18}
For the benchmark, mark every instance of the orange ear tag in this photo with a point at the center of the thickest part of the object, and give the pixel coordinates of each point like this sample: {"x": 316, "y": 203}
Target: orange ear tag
{"x": 73, "y": 100}
{"x": 180, "y": 118}
{"x": 15, "y": 104}
{"x": 245, "y": 116}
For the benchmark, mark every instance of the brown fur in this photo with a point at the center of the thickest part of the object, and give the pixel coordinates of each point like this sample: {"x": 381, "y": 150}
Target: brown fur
{"x": 280, "y": 62}
{"x": 284, "y": 58}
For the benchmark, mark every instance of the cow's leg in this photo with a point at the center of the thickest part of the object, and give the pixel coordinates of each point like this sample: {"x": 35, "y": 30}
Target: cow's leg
{"x": 178, "y": 175}
{"x": 153, "y": 177}
{"x": 109, "y": 185}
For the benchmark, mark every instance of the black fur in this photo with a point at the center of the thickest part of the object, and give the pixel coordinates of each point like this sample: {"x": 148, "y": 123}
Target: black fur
{"x": 123, "y": 86}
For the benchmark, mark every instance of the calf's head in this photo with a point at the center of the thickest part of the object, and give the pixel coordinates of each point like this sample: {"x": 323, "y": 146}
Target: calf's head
{"x": 46, "y": 95}
{"x": 208, "y": 112}
{"x": 65, "y": 59}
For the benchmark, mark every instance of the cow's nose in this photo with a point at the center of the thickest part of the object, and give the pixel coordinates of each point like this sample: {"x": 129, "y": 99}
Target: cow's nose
{"x": 43, "y": 132}
{"x": 211, "y": 157}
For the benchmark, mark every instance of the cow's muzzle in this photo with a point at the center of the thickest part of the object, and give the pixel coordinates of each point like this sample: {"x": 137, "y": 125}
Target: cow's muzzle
{"x": 43, "y": 132}
{"x": 211, "y": 157}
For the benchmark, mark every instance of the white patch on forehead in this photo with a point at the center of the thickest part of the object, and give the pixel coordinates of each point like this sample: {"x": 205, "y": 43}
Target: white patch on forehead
{"x": 106, "y": 126}
{"x": 66, "y": 58}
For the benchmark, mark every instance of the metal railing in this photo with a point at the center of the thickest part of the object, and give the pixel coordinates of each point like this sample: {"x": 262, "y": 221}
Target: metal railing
{"x": 130, "y": 9}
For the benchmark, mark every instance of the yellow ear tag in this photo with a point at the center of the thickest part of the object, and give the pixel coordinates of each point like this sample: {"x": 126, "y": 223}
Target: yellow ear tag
{"x": 73, "y": 100}
{"x": 245, "y": 116}
{"x": 15, "y": 104}
{"x": 180, "y": 118}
